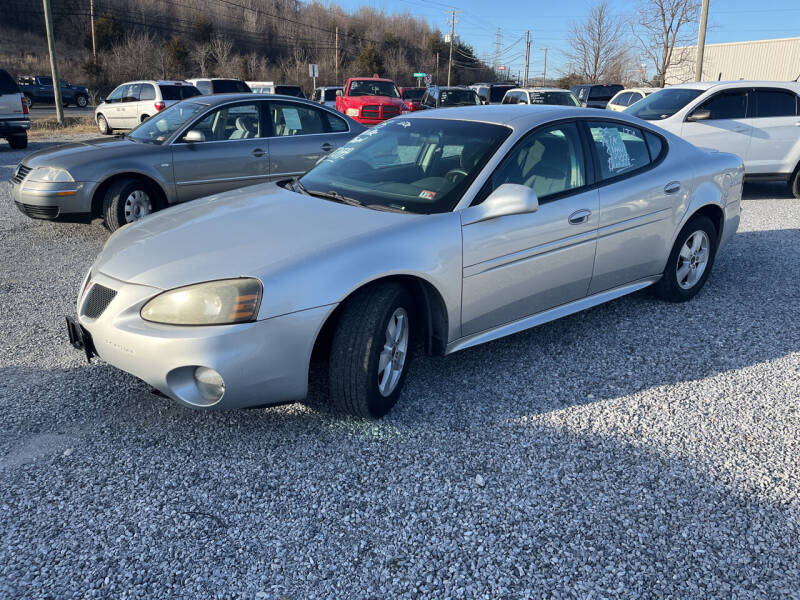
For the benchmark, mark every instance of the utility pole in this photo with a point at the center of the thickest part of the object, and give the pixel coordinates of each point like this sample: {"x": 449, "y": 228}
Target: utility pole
{"x": 452, "y": 39}
{"x": 336, "y": 57}
{"x": 544, "y": 73}
{"x": 527, "y": 57}
{"x": 91, "y": 20}
{"x": 437, "y": 68}
{"x": 701, "y": 44}
{"x": 51, "y": 46}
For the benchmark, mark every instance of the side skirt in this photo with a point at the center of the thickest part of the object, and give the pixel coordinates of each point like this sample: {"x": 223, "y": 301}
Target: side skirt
{"x": 548, "y": 315}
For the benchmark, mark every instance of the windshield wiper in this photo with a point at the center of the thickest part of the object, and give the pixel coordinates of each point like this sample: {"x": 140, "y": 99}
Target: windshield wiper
{"x": 336, "y": 197}
{"x": 296, "y": 184}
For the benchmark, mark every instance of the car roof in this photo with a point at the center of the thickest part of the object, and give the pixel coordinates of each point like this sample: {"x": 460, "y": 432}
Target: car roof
{"x": 514, "y": 115}
{"x": 707, "y": 85}
{"x": 541, "y": 89}
{"x": 160, "y": 82}
{"x": 215, "y": 99}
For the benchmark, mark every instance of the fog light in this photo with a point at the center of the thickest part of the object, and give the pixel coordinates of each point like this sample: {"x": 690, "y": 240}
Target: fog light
{"x": 209, "y": 383}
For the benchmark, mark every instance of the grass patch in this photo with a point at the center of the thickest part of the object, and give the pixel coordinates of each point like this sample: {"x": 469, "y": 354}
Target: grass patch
{"x": 48, "y": 127}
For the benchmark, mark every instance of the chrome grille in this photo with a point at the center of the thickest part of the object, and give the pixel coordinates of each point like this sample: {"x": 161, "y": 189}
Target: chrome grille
{"x": 22, "y": 172}
{"x": 97, "y": 300}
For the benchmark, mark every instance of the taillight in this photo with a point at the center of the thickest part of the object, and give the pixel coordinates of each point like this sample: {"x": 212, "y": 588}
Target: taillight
{"x": 25, "y": 110}
{"x": 160, "y": 105}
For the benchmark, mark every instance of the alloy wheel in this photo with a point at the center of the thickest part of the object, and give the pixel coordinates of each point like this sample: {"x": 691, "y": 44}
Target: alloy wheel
{"x": 693, "y": 259}
{"x": 392, "y": 359}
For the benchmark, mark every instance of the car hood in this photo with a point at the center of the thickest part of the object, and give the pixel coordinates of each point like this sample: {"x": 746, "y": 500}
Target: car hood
{"x": 254, "y": 231}
{"x": 76, "y": 154}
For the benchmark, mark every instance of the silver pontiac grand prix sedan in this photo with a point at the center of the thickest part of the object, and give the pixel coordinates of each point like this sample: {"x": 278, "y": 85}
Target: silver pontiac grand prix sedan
{"x": 438, "y": 230}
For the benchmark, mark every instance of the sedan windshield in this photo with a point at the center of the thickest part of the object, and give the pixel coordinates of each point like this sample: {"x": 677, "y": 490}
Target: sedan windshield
{"x": 162, "y": 125}
{"x": 662, "y": 104}
{"x": 413, "y": 93}
{"x": 459, "y": 98}
{"x": 556, "y": 98}
{"x": 370, "y": 87}
{"x": 415, "y": 165}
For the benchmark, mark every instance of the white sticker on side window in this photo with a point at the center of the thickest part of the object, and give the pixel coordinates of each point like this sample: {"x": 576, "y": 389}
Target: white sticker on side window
{"x": 291, "y": 118}
{"x": 618, "y": 157}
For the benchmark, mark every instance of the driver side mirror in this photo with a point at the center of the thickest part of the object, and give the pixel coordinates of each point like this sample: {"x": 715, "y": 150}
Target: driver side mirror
{"x": 699, "y": 115}
{"x": 194, "y": 136}
{"x": 508, "y": 199}
{"x": 339, "y": 93}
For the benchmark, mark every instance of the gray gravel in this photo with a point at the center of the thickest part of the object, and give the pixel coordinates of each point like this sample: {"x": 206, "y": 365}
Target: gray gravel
{"x": 639, "y": 449}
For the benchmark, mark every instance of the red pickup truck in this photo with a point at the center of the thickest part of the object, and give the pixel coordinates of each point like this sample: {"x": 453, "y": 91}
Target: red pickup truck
{"x": 370, "y": 100}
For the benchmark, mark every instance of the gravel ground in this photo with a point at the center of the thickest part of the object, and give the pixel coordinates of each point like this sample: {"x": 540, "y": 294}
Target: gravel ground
{"x": 639, "y": 449}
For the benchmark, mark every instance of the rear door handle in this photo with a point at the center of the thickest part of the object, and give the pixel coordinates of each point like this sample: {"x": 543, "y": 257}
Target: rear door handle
{"x": 673, "y": 187}
{"x": 580, "y": 216}
{"x": 258, "y": 153}
{"x": 327, "y": 147}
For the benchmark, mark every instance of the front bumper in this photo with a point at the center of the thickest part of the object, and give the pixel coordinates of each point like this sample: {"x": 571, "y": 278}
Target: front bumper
{"x": 40, "y": 200}
{"x": 264, "y": 362}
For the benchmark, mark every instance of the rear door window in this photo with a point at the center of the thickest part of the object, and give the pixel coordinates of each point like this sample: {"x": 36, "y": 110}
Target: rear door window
{"x": 204, "y": 87}
{"x": 297, "y": 119}
{"x": 775, "y": 103}
{"x": 236, "y": 122}
{"x": 726, "y": 105}
{"x": 619, "y": 148}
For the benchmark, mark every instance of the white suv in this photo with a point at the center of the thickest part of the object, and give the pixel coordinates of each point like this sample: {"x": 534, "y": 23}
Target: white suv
{"x": 136, "y": 101}
{"x": 758, "y": 120}
{"x": 14, "y": 118}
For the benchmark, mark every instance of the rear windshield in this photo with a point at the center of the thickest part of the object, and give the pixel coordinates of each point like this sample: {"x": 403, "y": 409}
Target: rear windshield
{"x": 413, "y": 94}
{"x": 178, "y": 92}
{"x": 290, "y": 90}
{"x": 7, "y": 84}
{"x": 497, "y": 92}
{"x": 603, "y": 92}
{"x": 458, "y": 98}
{"x": 558, "y": 98}
{"x": 662, "y": 104}
{"x": 229, "y": 86}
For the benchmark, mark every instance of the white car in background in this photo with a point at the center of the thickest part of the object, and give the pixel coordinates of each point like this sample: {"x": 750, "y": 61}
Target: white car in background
{"x": 625, "y": 98}
{"x": 134, "y": 102}
{"x": 541, "y": 95}
{"x": 757, "y": 120}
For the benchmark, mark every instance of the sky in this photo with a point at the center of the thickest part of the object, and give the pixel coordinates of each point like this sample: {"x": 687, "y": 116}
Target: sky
{"x": 549, "y": 22}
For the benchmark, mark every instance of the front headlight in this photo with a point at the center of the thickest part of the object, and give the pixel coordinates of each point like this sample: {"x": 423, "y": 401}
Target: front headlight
{"x": 212, "y": 303}
{"x": 351, "y": 112}
{"x": 50, "y": 174}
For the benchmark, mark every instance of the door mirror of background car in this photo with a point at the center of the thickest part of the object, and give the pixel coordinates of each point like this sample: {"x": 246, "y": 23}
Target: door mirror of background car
{"x": 508, "y": 199}
{"x": 699, "y": 115}
{"x": 194, "y": 136}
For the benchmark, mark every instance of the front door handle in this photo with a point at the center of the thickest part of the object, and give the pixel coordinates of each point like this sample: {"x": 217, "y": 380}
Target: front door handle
{"x": 258, "y": 153}
{"x": 580, "y": 216}
{"x": 673, "y": 187}
{"x": 327, "y": 147}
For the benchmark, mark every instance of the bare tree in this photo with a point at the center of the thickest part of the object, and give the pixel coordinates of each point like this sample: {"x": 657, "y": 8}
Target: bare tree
{"x": 202, "y": 55}
{"x": 663, "y": 28}
{"x": 597, "y": 45}
{"x": 222, "y": 55}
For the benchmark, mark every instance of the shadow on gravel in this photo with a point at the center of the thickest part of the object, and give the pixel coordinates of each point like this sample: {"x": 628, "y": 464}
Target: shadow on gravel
{"x": 155, "y": 501}
{"x": 766, "y": 191}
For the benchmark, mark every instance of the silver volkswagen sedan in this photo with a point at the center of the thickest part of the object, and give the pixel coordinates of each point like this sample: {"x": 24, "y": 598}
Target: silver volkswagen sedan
{"x": 193, "y": 148}
{"x": 440, "y": 230}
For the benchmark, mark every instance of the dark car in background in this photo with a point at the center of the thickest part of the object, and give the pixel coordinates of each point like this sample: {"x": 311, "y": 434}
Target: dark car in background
{"x": 38, "y": 89}
{"x": 447, "y": 96}
{"x": 412, "y": 96}
{"x": 595, "y": 95}
{"x": 492, "y": 93}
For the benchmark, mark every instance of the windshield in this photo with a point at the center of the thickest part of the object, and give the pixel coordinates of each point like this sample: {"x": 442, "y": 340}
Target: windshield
{"x": 498, "y": 91}
{"x": 229, "y": 86}
{"x": 371, "y": 87}
{"x": 290, "y": 90}
{"x": 178, "y": 92}
{"x": 413, "y": 93}
{"x": 662, "y": 104}
{"x": 557, "y": 98}
{"x": 162, "y": 125}
{"x": 415, "y": 165}
{"x": 458, "y": 98}
{"x": 330, "y": 95}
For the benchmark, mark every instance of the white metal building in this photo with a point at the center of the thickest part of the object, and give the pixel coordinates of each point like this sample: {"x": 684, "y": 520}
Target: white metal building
{"x": 774, "y": 60}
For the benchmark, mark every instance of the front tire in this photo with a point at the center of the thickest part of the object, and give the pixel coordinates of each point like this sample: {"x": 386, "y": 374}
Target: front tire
{"x": 81, "y": 101}
{"x": 690, "y": 261}
{"x": 18, "y": 142}
{"x": 127, "y": 201}
{"x": 794, "y": 183}
{"x": 371, "y": 350}
{"x": 102, "y": 125}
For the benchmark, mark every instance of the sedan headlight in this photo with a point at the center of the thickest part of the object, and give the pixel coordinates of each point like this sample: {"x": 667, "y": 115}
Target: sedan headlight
{"x": 50, "y": 174}
{"x": 351, "y": 112}
{"x": 212, "y": 303}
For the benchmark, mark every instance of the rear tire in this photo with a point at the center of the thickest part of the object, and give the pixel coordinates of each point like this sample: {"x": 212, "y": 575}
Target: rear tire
{"x": 18, "y": 142}
{"x": 81, "y": 101}
{"x": 102, "y": 125}
{"x": 375, "y": 329}
{"x": 690, "y": 261}
{"x": 794, "y": 183}
{"x": 127, "y": 201}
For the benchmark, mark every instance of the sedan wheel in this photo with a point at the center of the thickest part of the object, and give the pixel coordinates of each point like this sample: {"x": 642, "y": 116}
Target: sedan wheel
{"x": 102, "y": 125}
{"x": 137, "y": 206}
{"x": 127, "y": 201}
{"x": 690, "y": 261}
{"x": 371, "y": 350}
{"x": 81, "y": 101}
